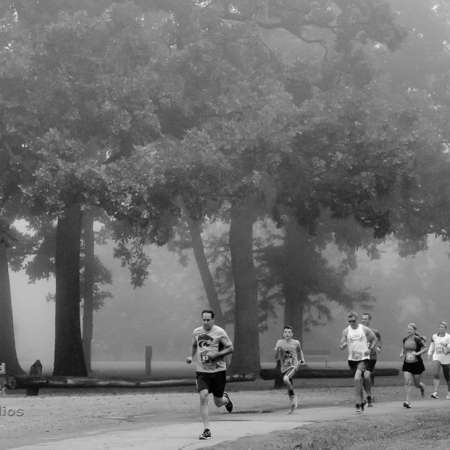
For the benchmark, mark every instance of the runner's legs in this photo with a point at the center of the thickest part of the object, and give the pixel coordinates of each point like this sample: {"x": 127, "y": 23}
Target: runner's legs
{"x": 409, "y": 381}
{"x": 436, "y": 368}
{"x": 204, "y": 412}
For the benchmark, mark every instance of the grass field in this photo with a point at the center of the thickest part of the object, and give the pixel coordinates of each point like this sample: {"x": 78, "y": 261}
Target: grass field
{"x": 413, "y": 431}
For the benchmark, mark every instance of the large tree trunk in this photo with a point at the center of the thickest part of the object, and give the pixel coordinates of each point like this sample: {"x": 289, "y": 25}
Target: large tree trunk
{"x": 246, "y": 358}
{"x": 202, "y": 264}
{"x": 294, "y": 245}
{"x": 293, "y": 300}
{"x": 88, "y": 287}
{"x": 69, "y": 359}
{"x": 8, "y": 353}
{"x": 293, "y": 310}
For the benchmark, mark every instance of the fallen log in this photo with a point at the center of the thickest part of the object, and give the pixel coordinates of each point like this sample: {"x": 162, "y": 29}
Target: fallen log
{"x": 272, "y": 373}
{"x": 25, "y": 382}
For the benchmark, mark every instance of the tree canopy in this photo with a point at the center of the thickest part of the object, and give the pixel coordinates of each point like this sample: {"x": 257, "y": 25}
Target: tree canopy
{"x": 234, "y": 110}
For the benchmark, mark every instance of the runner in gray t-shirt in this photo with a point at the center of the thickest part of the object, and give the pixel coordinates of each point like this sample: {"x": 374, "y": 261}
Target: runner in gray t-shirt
{"x": 210, "y": 345}
{"x": 290, "y": 354}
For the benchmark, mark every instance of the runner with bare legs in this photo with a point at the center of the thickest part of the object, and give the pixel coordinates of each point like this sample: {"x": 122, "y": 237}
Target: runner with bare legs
{"x": 210, "y": 344}
{"x": 365, "y": 320}
{"x": 412, "y": 351}
{"x": 439, "y": 354}
{"x": 290, "y": 354}
{"x": 359, "y": 341}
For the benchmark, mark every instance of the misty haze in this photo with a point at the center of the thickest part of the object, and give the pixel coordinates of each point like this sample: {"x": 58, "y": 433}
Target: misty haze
{"x": 242, "y": 201}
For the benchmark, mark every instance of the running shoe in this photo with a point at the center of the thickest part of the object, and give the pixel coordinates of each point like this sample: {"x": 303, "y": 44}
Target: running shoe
{"x": 359, "y": 408}
{"x": 448, "y": 396}
{"x": 434, "y": 395}
{"x": 205, "y": 435}
{"x": 369, "y": 401}
{"x": 229, "y": 405}
{"x": 407, "y": 405}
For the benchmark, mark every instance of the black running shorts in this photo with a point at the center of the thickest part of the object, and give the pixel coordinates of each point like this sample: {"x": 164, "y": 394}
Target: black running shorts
{"x": 214, "y": 382}
{"x": 371, "y": 364}
{"x": 355, "y": 365}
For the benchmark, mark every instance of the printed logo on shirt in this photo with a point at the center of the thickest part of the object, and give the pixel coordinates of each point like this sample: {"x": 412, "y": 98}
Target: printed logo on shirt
{"x": 204, "y": 343}
{"x": 289, "y": 358}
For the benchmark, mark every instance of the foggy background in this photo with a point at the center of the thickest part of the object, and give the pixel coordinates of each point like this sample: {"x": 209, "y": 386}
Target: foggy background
{"x": 164, "y": 312}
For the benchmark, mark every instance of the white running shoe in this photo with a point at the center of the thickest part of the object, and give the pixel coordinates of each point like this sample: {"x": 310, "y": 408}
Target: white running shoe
{"x": 293, "y": 403}
{"x": 448, "y": 396}
{"x": 434, "y": 395}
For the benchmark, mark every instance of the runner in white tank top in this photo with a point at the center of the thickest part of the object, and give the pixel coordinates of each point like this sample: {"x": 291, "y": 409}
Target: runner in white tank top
{"x": 439, "y": 353}
{"x": 359, "y": 340}
{"x": 358, "y": 347}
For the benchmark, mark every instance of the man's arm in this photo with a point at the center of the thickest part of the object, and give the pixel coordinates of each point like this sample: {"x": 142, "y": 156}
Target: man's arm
{"x": 379, "y": 344}
{"x": 277, "y": 352}
{"x": 422, "y": 350}
{"x": 343, "y": 341}
{"x": 193, "y": 351}
{"x": 300, "y": 355}
{"x": 226, "y": 350}
{"x": 371, "y": 337}
{"x": 431, "y": 348}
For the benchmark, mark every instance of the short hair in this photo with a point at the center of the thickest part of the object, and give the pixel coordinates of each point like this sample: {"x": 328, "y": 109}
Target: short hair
{"x": 353, "y": 314}
{"x": 412, "y": 325}
{"x": 208, "y": 311}
{"x": 288, "y": 327}
{"x": 444, "y": 323}
{"x": 367, "y": 314}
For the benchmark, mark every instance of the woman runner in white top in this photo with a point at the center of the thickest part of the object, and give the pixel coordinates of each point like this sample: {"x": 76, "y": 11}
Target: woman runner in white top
{"x": 439, "y": 353}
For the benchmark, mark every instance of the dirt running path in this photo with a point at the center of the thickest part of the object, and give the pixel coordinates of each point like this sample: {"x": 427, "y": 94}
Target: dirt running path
{"x": 169, "y": 421}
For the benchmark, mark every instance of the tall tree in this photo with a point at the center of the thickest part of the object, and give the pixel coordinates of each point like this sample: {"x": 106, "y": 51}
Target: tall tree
{"x": 246, "y": 335}
{"x": 91, "y": 87}
{"x": 195, "y": 229}
{"x": 88, "y": 286}
{"x": 238, "y": 105}
{"x": 69, "y": 357}
{"x": 16, "y": 162}
{"x": 8, "y": 353}
{"x": 299, "y": 272}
